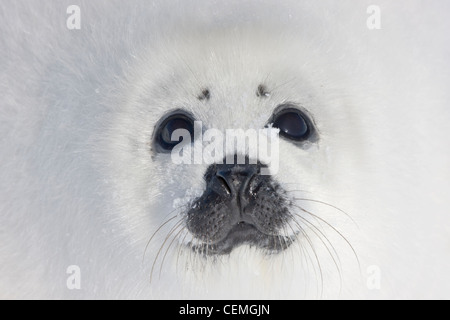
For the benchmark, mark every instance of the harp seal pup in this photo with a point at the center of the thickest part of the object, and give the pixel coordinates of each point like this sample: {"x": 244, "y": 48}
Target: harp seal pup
{"x": 355, "y": 209}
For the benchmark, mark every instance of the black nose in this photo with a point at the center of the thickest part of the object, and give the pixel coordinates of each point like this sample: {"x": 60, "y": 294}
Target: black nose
{"x": 239, "y": 205}
{"x": 232, "y": 181}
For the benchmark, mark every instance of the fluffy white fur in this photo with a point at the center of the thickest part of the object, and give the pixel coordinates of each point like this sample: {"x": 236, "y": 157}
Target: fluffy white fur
{"x": 79, "y": 185}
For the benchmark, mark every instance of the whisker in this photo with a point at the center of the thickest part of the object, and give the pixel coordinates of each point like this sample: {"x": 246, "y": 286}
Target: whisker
{"x": 295, "y": 190}
{"x": 162, "y": 246}
{"x": 316, "y": 258}
{"x": 337, "y": 231}
{"x": 284, "y": 83}
{"x": 154, "y": 233}
{"x": 308, "y": 259}
{"x": 310, "y": 243}
{"x": 170, "y": 244}
{"x": 181, "y": 246}
{"x": 321, "y": 236}
{"x": 287, "y": 222}
{"x": 329, "y": 205}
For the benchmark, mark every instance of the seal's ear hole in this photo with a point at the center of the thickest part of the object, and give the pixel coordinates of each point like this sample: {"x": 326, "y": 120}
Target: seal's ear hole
{"x": 262, "y": 91}
{"x": 204, "y": 95}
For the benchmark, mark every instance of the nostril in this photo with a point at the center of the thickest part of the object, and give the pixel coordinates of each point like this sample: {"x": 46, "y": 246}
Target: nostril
{"x": 224, "y": 183}
{"x": 251, "y": 185}
{"x": 233, "y": 180}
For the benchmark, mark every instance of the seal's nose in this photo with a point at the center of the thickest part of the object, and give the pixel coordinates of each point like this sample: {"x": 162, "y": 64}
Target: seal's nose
{"x": 240, "y": 205}
{"x": 236, "y": 179}
{"x": 233, "y": 182}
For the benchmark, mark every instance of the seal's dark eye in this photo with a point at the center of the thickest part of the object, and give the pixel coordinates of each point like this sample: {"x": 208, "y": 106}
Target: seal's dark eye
{"x": 164, "y": 131}
{"x": 293, "y": 124}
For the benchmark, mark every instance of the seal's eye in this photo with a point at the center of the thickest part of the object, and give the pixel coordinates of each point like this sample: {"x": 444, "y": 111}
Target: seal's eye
{"x": 293, "y": 124}
{"x": 166, "y": 128}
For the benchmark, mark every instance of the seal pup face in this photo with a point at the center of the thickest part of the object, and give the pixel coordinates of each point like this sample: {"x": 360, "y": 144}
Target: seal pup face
{"x": 218, "y": 208}
{"x": 240, "y": 204}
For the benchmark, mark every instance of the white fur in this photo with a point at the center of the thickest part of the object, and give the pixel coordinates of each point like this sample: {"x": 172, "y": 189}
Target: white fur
{"x": 79, "y": 185}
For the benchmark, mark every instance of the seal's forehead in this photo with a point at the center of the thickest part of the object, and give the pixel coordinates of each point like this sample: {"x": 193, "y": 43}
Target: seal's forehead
{"x": 223, "y": 93}
{"x": 237, "y": 85}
